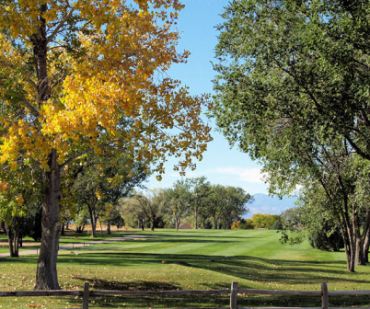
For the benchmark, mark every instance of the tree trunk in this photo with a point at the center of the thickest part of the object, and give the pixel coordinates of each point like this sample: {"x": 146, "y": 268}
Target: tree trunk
{"x": 13, "y": 241}
{"x": 20, "y": 241}
{"x": 360, "y": 259}
{"x": 365, "y": 248}
{"x": 142, "y": 225}
{"x": 93, "y": 220}
{"x": 108, "y": 228}
{"x": 63, "y": 230}
{"x": 196, "y": 217}
{"x": 152, "y": 222}
{"x": 46, "y": 274}
{"x": 366, "y": 240}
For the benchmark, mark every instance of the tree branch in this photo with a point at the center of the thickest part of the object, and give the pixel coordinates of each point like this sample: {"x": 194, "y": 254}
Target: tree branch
{"x": 59, "y": 26}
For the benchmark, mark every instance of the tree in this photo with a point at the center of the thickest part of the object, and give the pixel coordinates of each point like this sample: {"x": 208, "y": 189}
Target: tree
{"x": 20, "y": 200}
{"x": 200, "y": 190}
{"x": 226, "y": 204}
{"x": 295, "y": 61}
{"x": 79, "y": 75}
{"x": 146, "y": 208}
{"x": 176, "y": 202}
{"x": 100, "y": 181}
{"x": 293, "y": 96}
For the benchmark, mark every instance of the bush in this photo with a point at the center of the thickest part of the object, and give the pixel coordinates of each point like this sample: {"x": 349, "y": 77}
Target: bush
{"x": 264, "y": 221}
{"x": 235, "y": 225}
{"x": 247, "y": 224}
{"x": 328, "y": 239}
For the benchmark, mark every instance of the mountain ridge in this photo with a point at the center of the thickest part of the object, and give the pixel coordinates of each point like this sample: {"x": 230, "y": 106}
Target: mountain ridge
{"x": 267, "y": 204}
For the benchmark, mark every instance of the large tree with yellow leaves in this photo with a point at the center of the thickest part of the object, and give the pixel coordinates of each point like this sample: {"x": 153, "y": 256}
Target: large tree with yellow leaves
{"x": 77, "y": 75}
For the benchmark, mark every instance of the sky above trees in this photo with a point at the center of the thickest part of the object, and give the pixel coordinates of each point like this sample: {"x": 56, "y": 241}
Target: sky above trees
{"x": 221, "y": 163}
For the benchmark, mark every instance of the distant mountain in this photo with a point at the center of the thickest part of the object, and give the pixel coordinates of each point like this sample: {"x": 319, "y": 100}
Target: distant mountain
{"x": 265, "y": 204}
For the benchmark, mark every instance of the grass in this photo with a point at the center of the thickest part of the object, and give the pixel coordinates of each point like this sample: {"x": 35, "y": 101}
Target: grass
{"x": 204, "y": 259}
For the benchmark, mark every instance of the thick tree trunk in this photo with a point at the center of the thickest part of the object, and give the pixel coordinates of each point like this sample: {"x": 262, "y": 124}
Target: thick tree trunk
{"x": 360, "y": 259}
{"x": 46, "y": 275}
{"x": 63, "y": 230}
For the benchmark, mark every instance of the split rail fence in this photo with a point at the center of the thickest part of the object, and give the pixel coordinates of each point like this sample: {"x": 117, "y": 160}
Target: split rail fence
{"x": 87, "y": 293}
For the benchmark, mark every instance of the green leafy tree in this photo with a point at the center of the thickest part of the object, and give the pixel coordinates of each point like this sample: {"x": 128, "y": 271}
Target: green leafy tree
{"x": 100, "y": 181}
{"x": 144, "y": 208}
{"x": 200, "y": 190}
{"x": 176, "y": 203}
{"x": 292, "y": 92}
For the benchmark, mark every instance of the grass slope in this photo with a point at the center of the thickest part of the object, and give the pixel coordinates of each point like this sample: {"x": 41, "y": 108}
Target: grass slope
{"x": 189, "y": 259}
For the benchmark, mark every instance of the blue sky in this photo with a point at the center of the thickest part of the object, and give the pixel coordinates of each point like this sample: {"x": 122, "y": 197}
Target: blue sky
{"x": 220, "y": 164}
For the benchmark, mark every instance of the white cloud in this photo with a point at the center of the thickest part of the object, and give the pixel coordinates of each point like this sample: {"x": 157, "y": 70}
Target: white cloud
{"x": 250, "y": 175}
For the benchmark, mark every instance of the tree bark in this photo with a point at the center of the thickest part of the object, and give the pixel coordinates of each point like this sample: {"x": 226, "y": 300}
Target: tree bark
{"x": 46, "y": 274}
{"x": 63, "y": 230}
{"x": 93, "y": 220}
{"x": 365, "y": 248}
{"x": 152, "y": 223}
{"x": 13, "y": 240}
{"x": 108, "y": 228}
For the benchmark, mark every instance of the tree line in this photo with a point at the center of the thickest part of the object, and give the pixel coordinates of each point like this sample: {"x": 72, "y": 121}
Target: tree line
{"x": 194, "y": 200}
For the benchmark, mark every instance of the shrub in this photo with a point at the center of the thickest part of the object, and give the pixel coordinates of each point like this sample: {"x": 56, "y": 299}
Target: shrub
{"x": 247, "y": 224}
{"x": 235, "y": 225}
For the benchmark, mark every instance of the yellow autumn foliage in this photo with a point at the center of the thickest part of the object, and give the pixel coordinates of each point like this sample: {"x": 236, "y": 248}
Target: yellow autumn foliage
{"x": 104, "y": 82}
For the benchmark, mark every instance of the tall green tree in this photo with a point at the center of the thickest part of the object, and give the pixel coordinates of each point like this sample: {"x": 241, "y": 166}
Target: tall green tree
{"x": 292, "y": 88}
{"x": 100, "y": 181}
{"x": 176, "y": 203}
{"x": 200, "y": 190}
{"x": 301, "y": 62}
{"x": 145, "y": 208}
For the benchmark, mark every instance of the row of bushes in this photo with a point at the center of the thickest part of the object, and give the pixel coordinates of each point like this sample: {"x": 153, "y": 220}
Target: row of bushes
{"x": 258, "y": 221}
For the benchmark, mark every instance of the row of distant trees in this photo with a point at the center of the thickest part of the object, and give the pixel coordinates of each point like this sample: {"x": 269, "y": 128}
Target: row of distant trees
{"x": 100, "y": 192}
{"x": 194, "y": 201}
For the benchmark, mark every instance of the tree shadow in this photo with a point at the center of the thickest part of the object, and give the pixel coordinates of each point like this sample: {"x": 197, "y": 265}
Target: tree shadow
{"x": 103, "y": 284}
{"x": 259, "y": 270}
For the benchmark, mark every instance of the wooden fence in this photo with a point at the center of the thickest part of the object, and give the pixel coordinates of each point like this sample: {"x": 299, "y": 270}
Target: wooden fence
{"x": 86, "y": 294}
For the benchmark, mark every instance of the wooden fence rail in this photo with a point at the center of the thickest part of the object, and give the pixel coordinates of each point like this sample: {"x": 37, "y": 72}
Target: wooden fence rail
{"x": 86, "y": 294}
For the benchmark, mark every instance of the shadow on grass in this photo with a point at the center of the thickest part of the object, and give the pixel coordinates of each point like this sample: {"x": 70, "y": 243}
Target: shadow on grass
{"x": 103, "y": 284}
{"x": 245, "y": 267}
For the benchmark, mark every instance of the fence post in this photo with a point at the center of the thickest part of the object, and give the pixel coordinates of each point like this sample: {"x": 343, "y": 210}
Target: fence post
{"x": 324, "y": 296}
{"x": 233, "y": 295}
{"x": 85, "y": 299}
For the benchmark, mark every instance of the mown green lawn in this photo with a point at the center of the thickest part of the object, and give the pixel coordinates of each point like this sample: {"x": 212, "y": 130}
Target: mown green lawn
{"x": 202, "y": 259}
